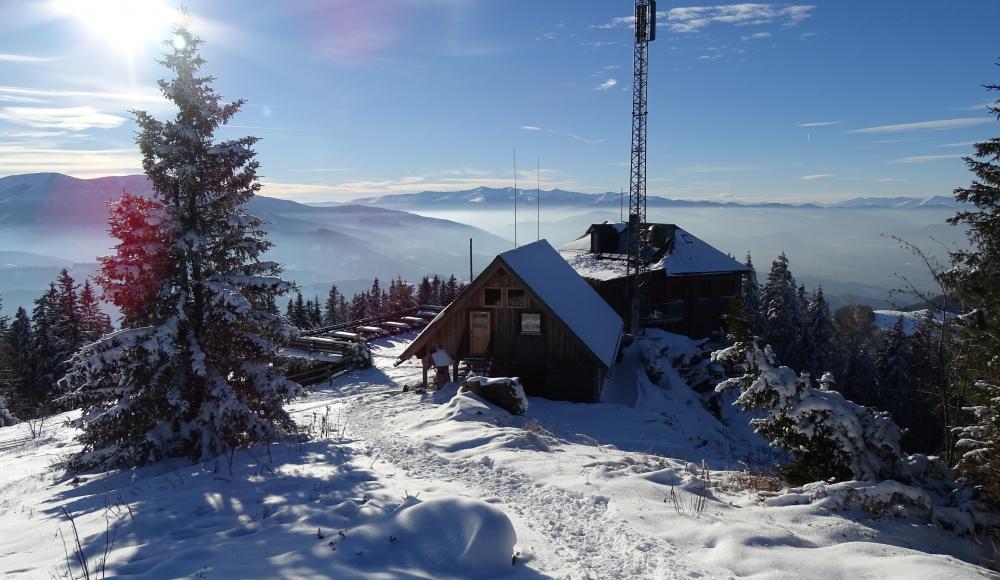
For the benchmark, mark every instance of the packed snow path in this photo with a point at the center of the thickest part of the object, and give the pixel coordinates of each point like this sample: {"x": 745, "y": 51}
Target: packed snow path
{"x": 589, "y": 540}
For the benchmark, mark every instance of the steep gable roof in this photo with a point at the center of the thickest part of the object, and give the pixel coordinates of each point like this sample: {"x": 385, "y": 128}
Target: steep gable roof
{"x": 570, "y": 298}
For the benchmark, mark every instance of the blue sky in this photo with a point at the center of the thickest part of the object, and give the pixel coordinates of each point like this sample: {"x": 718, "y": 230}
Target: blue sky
{"x": 782, "y": 101}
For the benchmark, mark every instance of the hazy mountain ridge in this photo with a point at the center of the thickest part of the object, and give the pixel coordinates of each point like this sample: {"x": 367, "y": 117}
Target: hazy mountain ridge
{"x": 494, "y": 197}
{"x": 63, "y": 220}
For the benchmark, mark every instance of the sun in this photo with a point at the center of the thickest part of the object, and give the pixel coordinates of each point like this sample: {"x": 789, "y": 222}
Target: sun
{"x": 124, "y": 25}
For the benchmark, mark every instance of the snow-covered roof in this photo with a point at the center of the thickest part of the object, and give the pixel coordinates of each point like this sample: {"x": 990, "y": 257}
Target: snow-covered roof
{"x": 691, "y": 255}
{"x": 682, "y": 254}
{"x": 570, "y": 298}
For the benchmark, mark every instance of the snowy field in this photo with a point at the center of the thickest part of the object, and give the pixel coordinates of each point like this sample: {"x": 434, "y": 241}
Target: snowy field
{"x": 395, "y": 484}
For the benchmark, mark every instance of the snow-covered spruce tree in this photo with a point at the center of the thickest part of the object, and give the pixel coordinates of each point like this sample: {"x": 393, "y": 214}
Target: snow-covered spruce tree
{"x": 750, "y": 293}
{"x": 67, "y": 318}
{"x": 131, "y": 277}
{"x": 7, "y": 358}
{"x": 17, "y": 347}
{"x": 376, "y": 305}
{"x": 436, "y": 289}
{"x": 817, "y": 335}
{"x": 6, "y": 417}
{"x": 978, "y": 281}
{"x": 897, "y": 389}
{"x": 424, "y": 293}
{"x": 449, "y": 291}
{"x": 331, "y": 312}
{"x": 855, "y": 339}
{"x": 828, "y": 435}
{"x": 782, "y": 313}
{"x": 48, "y": 352}
{"x": 199, "y": 379}
{"x": 93, "y": 323}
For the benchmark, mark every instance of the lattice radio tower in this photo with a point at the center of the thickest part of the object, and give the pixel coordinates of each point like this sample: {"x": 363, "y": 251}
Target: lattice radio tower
{"x": 637, "y": 269}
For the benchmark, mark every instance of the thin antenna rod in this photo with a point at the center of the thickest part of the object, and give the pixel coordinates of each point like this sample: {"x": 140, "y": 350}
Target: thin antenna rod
{"x": 515, "y": 198}
{"x": 471, "y": 277}
{"x": 538, "y": 195}
{"x": 621, "y": 204}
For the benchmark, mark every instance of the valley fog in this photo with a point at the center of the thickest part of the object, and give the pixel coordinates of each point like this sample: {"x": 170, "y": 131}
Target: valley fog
{"x": 848, "y": 251}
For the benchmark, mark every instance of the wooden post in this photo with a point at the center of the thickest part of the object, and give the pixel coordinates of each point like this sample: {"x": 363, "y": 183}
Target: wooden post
{"x": 454, "y": 371}
{"x": 424, "y": 361}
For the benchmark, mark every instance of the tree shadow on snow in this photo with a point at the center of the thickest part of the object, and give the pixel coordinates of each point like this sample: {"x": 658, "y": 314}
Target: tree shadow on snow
{"x": 280, "y": 510}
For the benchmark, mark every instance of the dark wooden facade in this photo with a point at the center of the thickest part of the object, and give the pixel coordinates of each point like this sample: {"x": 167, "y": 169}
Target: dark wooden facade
{"x": 692, "y": 305}
{"x": 500, "y": 319}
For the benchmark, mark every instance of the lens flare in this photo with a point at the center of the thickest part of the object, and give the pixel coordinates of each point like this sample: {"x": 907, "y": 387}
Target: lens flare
{"x": 125, "y": 25}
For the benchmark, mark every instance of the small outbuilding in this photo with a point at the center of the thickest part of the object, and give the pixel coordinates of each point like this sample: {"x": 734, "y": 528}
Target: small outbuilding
{"x": 690, "y": 282}
{"x": 529, "y": 315}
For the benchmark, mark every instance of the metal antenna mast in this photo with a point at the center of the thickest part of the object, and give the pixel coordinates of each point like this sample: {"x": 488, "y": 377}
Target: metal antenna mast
{"x": 515, "y": 198}
{"x": 538, "y": 196}
{"x": 637, "y": 268}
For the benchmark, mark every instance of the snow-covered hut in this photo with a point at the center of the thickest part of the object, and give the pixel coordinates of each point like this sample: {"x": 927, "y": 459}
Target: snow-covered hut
{"x": 690, "y": 282}
{"x": 530, "y": 315}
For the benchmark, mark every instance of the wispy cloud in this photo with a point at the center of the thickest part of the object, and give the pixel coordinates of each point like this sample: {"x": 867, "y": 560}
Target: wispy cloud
{"x": 24, "y": 58}
{"x": 927, "y": 158}
{"x": 962, "y": 144}
{"x": 757, "y": 36}
{"x": 321, "y": 170}
{"x": 938, "y": 125}
{"x": 130, "y": 97}
{"x": 606, "y": 85}
{"x": 39, "y": 134}
{"x": 17, "y": 158}
{"x": 696, "y": 18}
{"x": 979, "y": 107}
{"x": 820, "y": 123}
{"x": 20, "y": 99}
{"x": 69, "y": 118}
{"x": 816, "y": 176}
{"x": 563, "y": 133}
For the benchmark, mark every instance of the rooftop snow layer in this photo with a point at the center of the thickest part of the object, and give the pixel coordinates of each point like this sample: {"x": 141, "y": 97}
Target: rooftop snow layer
{"x": 685, "y": 254}
{"x": 569, "y": 297}
{"x": 691, "y": 255}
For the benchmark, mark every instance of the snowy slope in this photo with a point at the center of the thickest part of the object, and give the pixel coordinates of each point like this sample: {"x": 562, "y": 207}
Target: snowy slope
{"x": 441, "y": 485}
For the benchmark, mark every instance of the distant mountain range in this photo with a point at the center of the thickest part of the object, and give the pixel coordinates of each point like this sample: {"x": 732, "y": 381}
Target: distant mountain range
{"x": 50, "y": 220}
{"x": 488, "y": 197}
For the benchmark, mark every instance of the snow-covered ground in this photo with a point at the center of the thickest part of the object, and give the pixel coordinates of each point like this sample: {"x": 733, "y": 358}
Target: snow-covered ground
{"x": 397, "y": 484}
{"x": 885, "y": 319}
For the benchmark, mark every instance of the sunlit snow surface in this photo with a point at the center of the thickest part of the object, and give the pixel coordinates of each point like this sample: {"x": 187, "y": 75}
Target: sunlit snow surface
{"x": 441, "y": 485}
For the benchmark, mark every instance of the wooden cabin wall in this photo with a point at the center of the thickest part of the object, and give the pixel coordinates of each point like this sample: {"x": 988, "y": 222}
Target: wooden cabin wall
{"x": 551, "y": 364}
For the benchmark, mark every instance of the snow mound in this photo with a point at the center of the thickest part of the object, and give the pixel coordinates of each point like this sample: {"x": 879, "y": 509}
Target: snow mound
{"x": 466, "y": 406}
{"x": 452, "y": 536}
{"x": 505, "y": 392}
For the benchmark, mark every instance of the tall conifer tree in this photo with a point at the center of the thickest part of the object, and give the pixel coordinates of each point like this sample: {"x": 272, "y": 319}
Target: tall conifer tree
{"x": 978, "y": 280}
{"x": 200, "y": 378}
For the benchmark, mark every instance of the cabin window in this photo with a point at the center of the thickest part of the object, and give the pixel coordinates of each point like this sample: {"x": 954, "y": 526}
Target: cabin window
{"x": 493, "y": 297}
{"x": 531, "y": 323}
{"x": 516, "y": 298}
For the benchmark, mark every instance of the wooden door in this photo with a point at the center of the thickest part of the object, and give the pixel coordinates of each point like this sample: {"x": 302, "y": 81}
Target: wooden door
{"x": 479, "y": 333}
